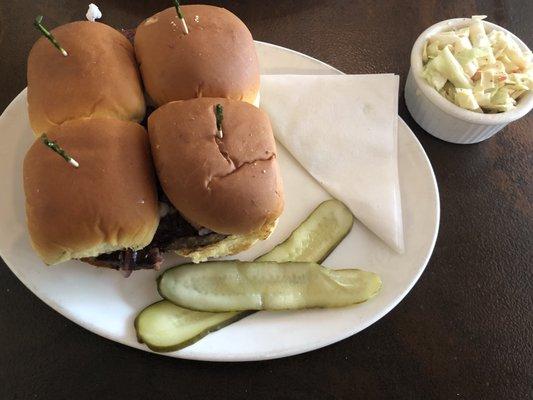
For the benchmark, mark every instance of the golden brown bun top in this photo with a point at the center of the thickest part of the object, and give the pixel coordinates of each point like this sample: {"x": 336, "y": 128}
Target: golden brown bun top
{"x": 98, "y": 78}
{"x": 216, "y": 59}
{"x": 230, "y": 185}
{"x": 108, "y": 203}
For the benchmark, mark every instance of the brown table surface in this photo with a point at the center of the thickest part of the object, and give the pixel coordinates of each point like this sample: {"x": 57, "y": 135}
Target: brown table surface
{"x": 465, "y": 331}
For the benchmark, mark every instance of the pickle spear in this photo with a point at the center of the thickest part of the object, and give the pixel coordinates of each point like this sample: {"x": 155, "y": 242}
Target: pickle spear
{"x": 164, "y": 327}
{"x": 316, "y": 237}
{"x": 223, "y": 286}
{"x": 331, "y": 220}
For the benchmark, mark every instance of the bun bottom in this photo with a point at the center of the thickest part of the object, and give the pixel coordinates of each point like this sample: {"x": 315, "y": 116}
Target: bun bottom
{"x": 228, "y": 246}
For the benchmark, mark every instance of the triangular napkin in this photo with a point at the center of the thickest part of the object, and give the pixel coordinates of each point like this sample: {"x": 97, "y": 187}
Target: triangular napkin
{"x": 343, "y": 131}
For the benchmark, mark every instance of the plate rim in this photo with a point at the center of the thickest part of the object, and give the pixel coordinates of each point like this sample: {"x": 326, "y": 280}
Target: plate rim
{"x": 272, "y": 355}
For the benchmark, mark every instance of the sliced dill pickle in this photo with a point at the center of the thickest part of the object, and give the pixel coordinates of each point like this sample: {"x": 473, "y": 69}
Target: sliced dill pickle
{"x": 165, "y": 327}
{"x": 222, "y": 286}
{"x": 316, "y": 237}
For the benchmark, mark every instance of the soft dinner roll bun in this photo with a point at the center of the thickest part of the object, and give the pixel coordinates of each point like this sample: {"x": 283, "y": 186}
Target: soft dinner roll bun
{"x": 230, "y": 185}
{"x": 216, "y": 59}
{"x": 98, "y": 78}
{"x": 109, "y": 203}
{"x": 232, "y": 244}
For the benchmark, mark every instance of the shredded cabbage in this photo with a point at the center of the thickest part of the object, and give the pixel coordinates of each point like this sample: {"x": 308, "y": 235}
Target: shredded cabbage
{"x": 465, "y": 98}
{"x": 478, "y": 71}
{"x": 447, "y": 66}
{"x": 461, "y": 44}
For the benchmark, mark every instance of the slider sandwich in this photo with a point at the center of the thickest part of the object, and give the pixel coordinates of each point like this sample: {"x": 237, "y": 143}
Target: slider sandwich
{"x": 95, "y": 75}
{"x": 213, "y": 57}
{"x": 216, "y": 161}
{"x": 105, "y": 210}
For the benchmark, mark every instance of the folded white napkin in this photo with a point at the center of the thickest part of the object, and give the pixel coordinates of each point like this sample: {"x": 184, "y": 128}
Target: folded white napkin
{"x": 343, "y": 131}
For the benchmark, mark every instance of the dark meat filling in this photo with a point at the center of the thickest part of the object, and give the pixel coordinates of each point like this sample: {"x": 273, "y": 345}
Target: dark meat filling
{"x": 129, "y": 33}
{"x": 173, "y": 233}
{"x": 128, "y": 260}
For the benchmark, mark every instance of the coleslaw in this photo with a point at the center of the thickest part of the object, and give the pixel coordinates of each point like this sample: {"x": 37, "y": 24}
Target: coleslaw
{"x": 485, "y": 73}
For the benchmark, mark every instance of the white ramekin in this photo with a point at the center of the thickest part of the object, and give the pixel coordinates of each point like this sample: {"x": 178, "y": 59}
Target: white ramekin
{"x": 441, "y": 117}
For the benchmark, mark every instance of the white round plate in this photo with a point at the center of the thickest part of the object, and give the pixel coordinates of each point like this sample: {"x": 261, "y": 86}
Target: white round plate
{"x": 105, "y": 303}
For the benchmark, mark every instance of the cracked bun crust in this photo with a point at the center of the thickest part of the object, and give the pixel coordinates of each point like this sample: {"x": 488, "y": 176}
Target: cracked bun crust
{"x": 230, "y": 185}
{"x": 109, "y": 203}
{"x": 216, "y": 59}
{"x": 98, "y": 78}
